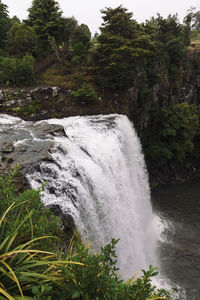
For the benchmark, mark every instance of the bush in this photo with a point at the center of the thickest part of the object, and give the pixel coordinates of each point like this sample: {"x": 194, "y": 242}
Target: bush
{"x": 26, "y": 272}
{"x": 43, "y": 220}
{"x": 8, "y": 69}
{"x": 85, "y": 94}
{"x": 98, "y": 278}
{"x": 25, "y": 71}
{"x": 79, "y": 49}
{"x": 76, "y": 59}
{"x": 15, "y": 71}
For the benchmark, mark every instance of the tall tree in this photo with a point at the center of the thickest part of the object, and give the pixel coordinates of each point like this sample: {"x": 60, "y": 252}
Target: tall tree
{"x": 4, "y": 25}
{"x": 194, "y": 18}
{"x": 23, "y": 39}
{"x": 81, "y": 40}
{"x": 45, "y": 17}
{"x": 119, "y": 49}
{"x": 168, "y": 28}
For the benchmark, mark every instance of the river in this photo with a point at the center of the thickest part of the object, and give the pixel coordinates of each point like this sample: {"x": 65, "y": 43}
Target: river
{"x": 179, "y": 249}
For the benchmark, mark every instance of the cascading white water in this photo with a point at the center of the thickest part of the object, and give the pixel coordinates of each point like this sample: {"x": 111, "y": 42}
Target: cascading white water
{"x": 98, "y": 175}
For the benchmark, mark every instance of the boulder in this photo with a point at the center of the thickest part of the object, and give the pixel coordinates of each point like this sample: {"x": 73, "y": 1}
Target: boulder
{"x": 7, "y": 147}
{"x": 43, "y": 129}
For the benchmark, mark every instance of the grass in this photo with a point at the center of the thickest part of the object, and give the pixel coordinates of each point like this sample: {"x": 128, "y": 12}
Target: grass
{"x": 195, "y": 42}
{"x": 70, "y": 79}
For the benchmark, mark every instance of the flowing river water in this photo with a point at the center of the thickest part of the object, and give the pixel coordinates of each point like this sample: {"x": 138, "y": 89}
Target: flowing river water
{"x": 179, "y": 250}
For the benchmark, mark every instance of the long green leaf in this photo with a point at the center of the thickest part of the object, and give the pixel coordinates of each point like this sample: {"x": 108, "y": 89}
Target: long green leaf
{"x": 6, "y": 212}
{"x": 11, "y": 241}
{"x": 24, "y": 251}
{"x": 13, "y": 275}
{"x": 4, "y": 242}
{"x": 34, "y": 240}
{"x": 8, "y": 296}
{"x": 3, "y": 271}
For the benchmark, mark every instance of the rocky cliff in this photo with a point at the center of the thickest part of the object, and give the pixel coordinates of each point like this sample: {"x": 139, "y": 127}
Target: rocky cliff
{"x": 55, "y": 102}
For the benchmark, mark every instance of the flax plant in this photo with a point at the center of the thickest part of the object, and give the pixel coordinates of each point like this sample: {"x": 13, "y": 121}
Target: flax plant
{"x": 21, "y": 266}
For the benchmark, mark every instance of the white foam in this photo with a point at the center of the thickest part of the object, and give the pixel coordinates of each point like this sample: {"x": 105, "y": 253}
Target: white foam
{"x": 8, "y": 120}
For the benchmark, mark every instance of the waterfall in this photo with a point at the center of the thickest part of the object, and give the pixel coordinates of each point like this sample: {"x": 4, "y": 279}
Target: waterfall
{"x": 98, "y": 176}
{"x": 96, "y": 173}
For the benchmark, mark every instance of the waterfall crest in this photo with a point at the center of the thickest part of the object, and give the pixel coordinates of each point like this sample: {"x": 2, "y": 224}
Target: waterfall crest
{"x": 98, "y": 175}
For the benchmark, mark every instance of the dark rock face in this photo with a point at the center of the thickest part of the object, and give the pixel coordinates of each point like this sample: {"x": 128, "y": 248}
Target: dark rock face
{"x": 50, "y": 102}
{"x": 67, "y": 219}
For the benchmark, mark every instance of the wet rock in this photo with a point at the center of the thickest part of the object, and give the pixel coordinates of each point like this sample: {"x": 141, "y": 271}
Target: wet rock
{"x": 9, "y": 103}
{"x": 7, "y": 147}
{"x": 67, "y": 219}
{"x": 17, "y": 103}
{"x": 44, "y": 129}
{"x": 1, "y": 95}
{"x": 21, "y": 149}
{"x": 55, "y": 91}
{"x": 55, "y": 208}
{"x": 68, "y": 222}
{"x": 52, "y": 190}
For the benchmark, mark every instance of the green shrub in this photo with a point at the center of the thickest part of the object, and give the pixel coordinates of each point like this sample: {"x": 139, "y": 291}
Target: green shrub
{"x": 23, "y": 39}
{"x": 98, "y": 278}
{"x": 79, "y": 49}
{"x": 76, "y": 59}
{"x": 25, "y": 71}
{"x": 26, "y": 272}
{"x": 15, "y": 71}
{"x": 8, "y": 69}
{"x": 85, "y": 94}
{"x": 43, "y": 220}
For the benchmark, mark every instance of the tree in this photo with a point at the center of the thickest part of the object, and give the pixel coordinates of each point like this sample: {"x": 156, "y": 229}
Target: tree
{"x": 4, "y": 25}
{"x": 168, "y": 28}
{"x": 23, "y": 39}
{"x": 120, "y": 49}
{"x": 173, "y": 131}
{"x": 69, "y": 26}
{"x": 45, "y": 17}
{"x": 81, "y": 40}
{"x": 194, "y": 17}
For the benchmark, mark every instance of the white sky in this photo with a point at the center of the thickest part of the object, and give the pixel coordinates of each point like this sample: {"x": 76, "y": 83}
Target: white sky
{"x": 88, "y": 11}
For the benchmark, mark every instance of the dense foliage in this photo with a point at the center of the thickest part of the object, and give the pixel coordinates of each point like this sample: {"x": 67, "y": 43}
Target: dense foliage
{"x": 14, "y": 71}
{"x": 4, "y": 25}
{"x": 28, "y": 271}
{"x": 45, "y": 18}
{"x": 23, "y": 39}
{"x": 173, "y": 129}
{"x": 116, "y": 51}
{"x": 85, "y": 93}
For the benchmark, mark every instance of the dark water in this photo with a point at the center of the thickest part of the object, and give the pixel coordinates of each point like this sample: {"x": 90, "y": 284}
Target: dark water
{"x": 180, "y": 252}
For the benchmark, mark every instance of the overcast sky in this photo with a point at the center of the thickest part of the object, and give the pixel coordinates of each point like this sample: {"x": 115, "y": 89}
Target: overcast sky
{"x": 88, "y": 11}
